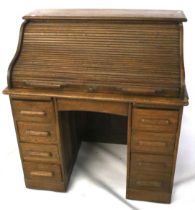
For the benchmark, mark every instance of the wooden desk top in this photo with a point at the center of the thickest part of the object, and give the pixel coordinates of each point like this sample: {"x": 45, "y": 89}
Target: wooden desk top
{"x": 119, "y": 14}
{"x": 98, "y": 96}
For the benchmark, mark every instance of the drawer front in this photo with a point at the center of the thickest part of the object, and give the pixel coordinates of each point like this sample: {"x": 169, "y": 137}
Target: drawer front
{"x": 33, "y": 111}
{"x": 159, "y": 143}
{"x": 155, "y": 120}
{"x": 146, "y": 181}
{"x": 36, "y": 132}
{"x": 40, "y": 152}
{"x": 42, "y": 171}
{"x": 151, "y": 163}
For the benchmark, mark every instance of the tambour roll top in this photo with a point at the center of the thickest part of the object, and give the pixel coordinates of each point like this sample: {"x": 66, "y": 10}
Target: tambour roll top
{"x": 119, "y": 51}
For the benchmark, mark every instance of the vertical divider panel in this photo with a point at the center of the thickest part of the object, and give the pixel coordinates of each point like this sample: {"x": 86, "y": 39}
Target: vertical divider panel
{"x": 67, "y": 136}
{"x": 129, "y": 122}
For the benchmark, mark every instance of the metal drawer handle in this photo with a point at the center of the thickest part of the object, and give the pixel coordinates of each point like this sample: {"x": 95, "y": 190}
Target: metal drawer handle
{"x": 153, "y": 143}
{"x": 32, "y": 113}
{"x": 37, "y": 133}
{"x": 40, "y": 154}
{"x": 41, "y": 173}
{"x": 155, "y": 121}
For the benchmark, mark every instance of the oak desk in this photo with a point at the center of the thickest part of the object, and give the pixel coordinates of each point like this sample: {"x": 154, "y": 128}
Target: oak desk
{"x": 99, "y": 75}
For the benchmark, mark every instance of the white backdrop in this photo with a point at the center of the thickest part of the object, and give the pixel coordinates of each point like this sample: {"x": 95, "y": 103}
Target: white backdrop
{"x": 87, "y": 192}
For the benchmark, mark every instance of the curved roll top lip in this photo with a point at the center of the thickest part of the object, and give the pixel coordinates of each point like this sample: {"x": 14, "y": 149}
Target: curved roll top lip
{"x": 108, "y": 14}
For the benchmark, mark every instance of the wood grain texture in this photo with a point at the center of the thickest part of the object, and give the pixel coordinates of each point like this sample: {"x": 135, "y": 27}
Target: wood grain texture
{"x": 154, "y": 196}
{"x": 45, "y": 185}
{"x": 69, "y": 143}
{"x": 155, "y": 120}
{"x": 93, "y": 106}
{"x": 149, "y": 142}
{"x": 42, "y": 171}
{"x": 37, "y": 111}
{"x": 175, "y": 152}
{"x": 96, "y": 56}
{"x": 143, "y": 100}
{"x": 153, "y": 140}
{"x": 18, "y": 50}
{"x": 36, "y": 132}
{"x": 151, "y": 163}
{"x": 40, "y": 152}
{"x": 39, "y": 145}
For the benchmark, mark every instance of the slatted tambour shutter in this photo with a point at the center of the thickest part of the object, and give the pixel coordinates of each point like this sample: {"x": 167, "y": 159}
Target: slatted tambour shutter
{"x": 100, "y": 55}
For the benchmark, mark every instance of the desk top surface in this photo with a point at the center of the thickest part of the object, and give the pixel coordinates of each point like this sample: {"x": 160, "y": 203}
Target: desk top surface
{"x": 113, "y": 14}
{"x": 99, "y": 96}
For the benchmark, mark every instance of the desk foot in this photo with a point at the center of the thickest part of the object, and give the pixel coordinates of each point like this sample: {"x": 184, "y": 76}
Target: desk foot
{"x": 41, "y": 185}
{"x": 153, "y": 196}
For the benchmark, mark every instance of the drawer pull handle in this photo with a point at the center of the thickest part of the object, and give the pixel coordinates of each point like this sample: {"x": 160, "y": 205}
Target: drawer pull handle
{"x": 41, "y": 173}
{"x": 153, "y": 143}
{"x": 148, "y": 183}
{"x": 32, "y": 113}
{"x": 155, "y": 121}
{"x": 40, "y": 154}
{"x": 37, "y": 133}
{"x": 152, "y": 164}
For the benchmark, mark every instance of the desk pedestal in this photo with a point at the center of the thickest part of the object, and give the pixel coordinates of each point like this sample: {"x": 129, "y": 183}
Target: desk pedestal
{"x": 50, "y": 131}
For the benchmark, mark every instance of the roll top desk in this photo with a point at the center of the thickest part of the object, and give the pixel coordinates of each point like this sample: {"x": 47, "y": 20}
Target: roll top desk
{"x": 113, "y": 76}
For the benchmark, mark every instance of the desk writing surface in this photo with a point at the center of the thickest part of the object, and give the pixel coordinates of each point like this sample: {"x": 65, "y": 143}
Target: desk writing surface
{"x": 112, "y": 76}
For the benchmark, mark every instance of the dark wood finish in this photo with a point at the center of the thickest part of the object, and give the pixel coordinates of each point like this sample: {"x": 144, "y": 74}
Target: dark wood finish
{"x": 96, "y": 75}
{"x": 106, "y": 128}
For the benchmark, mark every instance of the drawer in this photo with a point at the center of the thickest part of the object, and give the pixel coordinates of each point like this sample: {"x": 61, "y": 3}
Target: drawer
{"x": 40, "y": 152}
{"x": 159, "y": 143}
{"x": 42, "y": 171}
{"x": 36, "y": 132}
{"x": 33, "y": 111}
{"x": 144, "y": 181}
{"x": 145, "y": 163}
{"x": 155, "y": 120}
